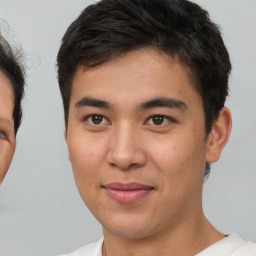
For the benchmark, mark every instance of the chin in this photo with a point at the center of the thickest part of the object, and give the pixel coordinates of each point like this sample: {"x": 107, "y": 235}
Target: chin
{"x": 127, "y": 228}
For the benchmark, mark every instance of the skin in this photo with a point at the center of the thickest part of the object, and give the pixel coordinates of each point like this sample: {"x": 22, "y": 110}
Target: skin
{"x": 7, "y": 134}
{"x": 150, "y": 130}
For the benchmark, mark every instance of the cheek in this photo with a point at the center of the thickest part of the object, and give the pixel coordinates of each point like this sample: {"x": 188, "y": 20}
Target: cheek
{"x": 178, "y": 157}
{"x": 181, "y": 167}
{"x": 86, "y": 155}
{"x": 86, "y": 159}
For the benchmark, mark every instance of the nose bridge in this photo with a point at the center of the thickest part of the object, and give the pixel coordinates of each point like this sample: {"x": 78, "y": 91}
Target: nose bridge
{"x": 125, "y": 150}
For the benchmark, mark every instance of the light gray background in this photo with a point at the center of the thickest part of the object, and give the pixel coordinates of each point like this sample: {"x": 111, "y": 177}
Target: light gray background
{"x": 41, "y": 212}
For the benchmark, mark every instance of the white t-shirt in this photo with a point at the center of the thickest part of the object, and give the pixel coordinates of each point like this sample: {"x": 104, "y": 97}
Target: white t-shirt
{"x": 232, "y": 245}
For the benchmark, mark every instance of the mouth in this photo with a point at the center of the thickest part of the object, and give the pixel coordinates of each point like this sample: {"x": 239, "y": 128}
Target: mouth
{"x": 127, "y": 193}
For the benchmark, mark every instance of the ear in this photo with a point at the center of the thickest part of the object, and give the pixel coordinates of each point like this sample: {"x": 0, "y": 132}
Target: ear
{"x": 6, "y": 155}
{"x": 218, "y": 137}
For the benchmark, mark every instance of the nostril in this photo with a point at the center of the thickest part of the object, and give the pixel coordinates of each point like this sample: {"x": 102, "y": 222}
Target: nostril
{"x": 128, "y": 161}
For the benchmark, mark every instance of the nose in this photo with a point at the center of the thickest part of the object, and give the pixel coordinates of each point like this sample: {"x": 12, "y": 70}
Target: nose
{"x": 125, "y": 150}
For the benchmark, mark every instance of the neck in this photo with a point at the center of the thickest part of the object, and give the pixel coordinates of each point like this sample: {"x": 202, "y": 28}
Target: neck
{"x": 190, "y": 238}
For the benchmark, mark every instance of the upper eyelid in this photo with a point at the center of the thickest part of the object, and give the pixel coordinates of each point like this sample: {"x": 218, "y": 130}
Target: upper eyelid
{"x": 90, "y": 115}
{"x": 85, "y": 118}
{"x": 165, "y": 116}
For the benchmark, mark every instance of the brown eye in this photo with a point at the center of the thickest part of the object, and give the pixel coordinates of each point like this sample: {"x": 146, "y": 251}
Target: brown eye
{"x": 158, "y": 120}
{"x": 96, "y": 120}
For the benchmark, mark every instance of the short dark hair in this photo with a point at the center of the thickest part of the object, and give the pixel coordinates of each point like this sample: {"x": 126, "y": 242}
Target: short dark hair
{"x": 176, "y": 27}
{"x": 11, "y": 66}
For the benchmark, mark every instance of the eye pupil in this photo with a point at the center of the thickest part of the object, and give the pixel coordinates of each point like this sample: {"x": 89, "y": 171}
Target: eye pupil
{"x": 158, "y": 120}
{"x": 97, "y": 119}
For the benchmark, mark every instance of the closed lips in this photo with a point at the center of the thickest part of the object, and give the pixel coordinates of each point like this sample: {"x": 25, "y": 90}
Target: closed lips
{"x": 127, "y": 187}
{"x": 127, "y": 193}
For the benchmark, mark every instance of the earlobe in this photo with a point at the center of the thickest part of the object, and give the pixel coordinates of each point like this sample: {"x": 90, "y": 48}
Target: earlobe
{"x": 219, "y": 135}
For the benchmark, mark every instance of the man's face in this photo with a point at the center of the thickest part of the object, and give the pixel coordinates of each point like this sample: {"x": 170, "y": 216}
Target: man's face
{"x": 137, "y": 143}
{"x": 7, "y": 136}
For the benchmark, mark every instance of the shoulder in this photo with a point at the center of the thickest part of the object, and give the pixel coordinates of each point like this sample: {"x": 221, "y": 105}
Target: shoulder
{"x": 93, "y": 249}
{"x": 245, "y": 248}
{"x": 232, "y": 245}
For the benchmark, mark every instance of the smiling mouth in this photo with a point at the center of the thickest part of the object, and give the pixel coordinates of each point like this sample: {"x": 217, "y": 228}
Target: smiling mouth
{"x": 127, "y": 193}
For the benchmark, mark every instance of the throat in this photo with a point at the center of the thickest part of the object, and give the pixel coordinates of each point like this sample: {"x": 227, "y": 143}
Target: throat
{"x": 178, "y": 243}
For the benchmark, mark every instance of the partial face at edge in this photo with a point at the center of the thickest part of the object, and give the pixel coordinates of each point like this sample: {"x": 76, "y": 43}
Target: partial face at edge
{"x": 7, "y": 134}
{"x": 136, "y": 141}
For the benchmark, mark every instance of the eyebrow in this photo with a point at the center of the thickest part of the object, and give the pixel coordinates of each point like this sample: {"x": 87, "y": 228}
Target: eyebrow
{"x": 153, "y": 103}
{"x": 92, "y": 102}
{"x": 164, "y": 102}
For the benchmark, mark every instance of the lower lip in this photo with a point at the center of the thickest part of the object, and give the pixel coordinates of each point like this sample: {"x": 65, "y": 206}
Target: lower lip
{"x": 127, "y": 196}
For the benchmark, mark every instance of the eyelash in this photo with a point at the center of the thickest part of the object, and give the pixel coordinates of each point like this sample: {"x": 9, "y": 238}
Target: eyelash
{"x": 162, "y": 118}
{"x": 92, "y": 116}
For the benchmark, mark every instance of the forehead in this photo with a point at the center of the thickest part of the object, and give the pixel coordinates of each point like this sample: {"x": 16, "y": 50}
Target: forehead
{"x": 6, "y": 97}
{"x": 146, "y": 72}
